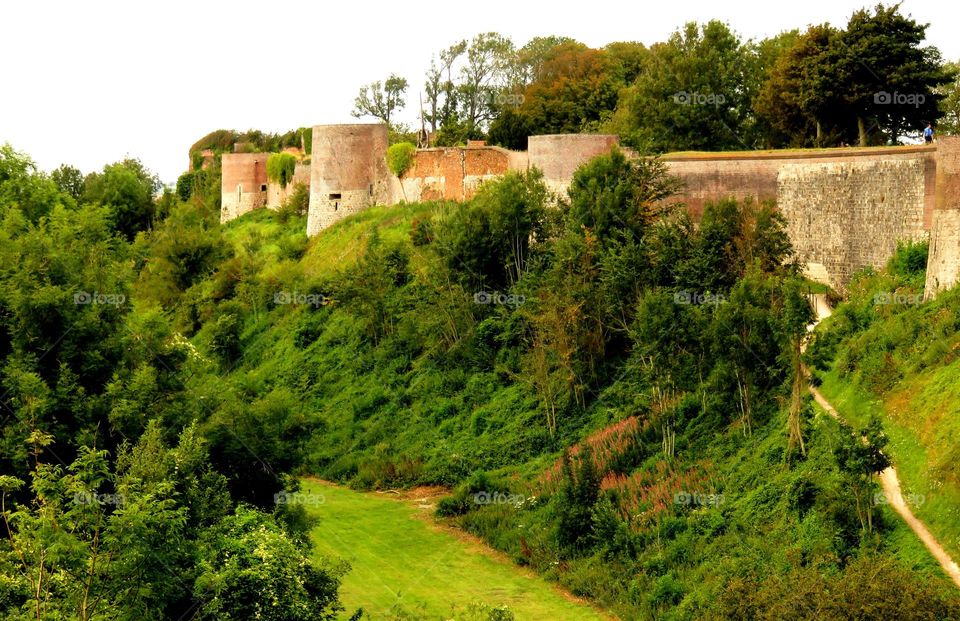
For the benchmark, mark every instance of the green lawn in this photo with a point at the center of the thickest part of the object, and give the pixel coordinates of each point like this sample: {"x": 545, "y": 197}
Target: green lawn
{"x": 401, "y": 562}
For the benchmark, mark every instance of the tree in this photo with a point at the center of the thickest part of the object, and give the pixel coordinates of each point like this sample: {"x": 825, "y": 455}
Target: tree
{"x": 24, "y": 188}
{"x": 888, "y": 78}
{"x": 950, "y": 102}
{"x": 251, "y": 569}
{"x": 574, "y": 88}
{"x": 127, "y": 188}
{"x": 692, "y": 93}
{"x": 795, "y": 316}
{"x": 611, "y": 194}
{"x": 484, "y": 75}
{"x": 381, "y": 99}
{"x": 440, "y": 88}
{"x": 400, "y": 157}
{"x": 280, "y": 168}
{"x": 860, "y": 457}
{"x": 69, "y": 180}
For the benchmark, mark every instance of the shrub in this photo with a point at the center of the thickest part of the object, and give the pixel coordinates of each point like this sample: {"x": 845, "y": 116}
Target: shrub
{"x": 280, "y": 168}
{"x": 400, "y": 158}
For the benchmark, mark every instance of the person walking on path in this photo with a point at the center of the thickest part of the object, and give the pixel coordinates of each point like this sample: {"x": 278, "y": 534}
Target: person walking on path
{"x": 928, "y": 133}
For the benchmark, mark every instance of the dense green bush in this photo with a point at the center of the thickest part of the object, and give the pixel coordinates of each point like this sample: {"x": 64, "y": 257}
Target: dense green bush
{"x": 281, "y": 167}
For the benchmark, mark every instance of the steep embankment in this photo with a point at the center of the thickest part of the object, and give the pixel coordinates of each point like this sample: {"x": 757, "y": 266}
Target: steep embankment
{"x": 681, "y": 497}
{"x": 886, "y": 354}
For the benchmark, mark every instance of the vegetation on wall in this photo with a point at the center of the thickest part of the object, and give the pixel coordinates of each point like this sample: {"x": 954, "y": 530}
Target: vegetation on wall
{"x": 281, "y": 167}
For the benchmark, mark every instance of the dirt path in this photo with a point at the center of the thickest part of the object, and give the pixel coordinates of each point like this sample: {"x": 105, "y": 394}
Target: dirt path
{"x": 891, "y": 489}
{"x": 889, "y": 481}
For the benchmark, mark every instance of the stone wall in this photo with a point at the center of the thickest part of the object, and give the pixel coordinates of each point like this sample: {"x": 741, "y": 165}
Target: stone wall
{"x": 844, "y": 216}
{"x": 943, "y": 263}
{"x": 845, "y": 208}
{"x": 277, "y": 194}
{"x": 243, "y": 184}
{"x": 455, "y": 173}
{"x": 740, "y": 174}
{"x": 559, "y": 155}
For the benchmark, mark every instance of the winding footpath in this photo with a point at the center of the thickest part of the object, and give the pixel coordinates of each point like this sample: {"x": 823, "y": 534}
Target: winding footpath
{"x": 889, "y": 481}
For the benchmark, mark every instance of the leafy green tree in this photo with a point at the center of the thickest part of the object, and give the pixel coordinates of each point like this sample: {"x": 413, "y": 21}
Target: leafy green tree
{"x": 127, "y": 188}
{"x": 486, "y": 243}
{"x": 280, "y": 168}
{"x": 251, "y": 569}
{"x": 381, "y": 99}
{"x": 24, "y": 188}
{"x": 69, "y": 180}
{"x": 611, "y": 195}
{"x": 950, "y": 102}
{"x": 692, "y": 94}
{"x": 860, "y": 458}
{"x": 483, "y": 76}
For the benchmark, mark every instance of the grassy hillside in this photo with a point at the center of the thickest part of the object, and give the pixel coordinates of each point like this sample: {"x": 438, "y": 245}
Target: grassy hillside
{"x": 605, "y": 389}
{"x": 898, "y": 361}
{"x": 731, "y": 524}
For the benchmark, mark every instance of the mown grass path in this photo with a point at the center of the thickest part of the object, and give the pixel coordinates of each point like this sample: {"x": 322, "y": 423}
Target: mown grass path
{"x": 401, "y": 560}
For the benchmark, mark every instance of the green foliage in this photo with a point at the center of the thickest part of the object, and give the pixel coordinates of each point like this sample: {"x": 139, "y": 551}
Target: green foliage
{"x": 252, "y": 569}
{"x": 612, "y": 193}
{"x": 69, "y": 180}
{"x": 296, "y": 204}
{"x": 486, "y": 242}
{"x": 280, "y": 168}
{"x": 127, "y": 188}
{"x": 909, "y": 260}
{"x": 400, "y": 157}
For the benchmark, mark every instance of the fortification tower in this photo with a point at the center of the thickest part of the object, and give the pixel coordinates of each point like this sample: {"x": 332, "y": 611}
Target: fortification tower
{"x": 243, "y": 184}
{"x": 348, "y": 172}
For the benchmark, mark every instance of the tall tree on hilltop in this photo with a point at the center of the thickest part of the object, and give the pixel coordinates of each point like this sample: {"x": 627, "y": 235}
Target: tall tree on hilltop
{"x": 381, "y": 99}
{"x": 889, "y": 79}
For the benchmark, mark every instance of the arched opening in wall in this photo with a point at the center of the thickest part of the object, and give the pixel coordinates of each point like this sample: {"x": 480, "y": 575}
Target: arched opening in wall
{"x": 263, "y": 187}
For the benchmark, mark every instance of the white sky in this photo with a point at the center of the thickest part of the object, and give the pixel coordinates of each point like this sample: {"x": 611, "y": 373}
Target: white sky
{"x": 87, "y": 83}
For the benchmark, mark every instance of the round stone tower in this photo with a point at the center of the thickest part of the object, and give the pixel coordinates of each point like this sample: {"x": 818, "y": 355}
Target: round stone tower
{"x": 348, "y": 172}
{"x": 559, "y": 155}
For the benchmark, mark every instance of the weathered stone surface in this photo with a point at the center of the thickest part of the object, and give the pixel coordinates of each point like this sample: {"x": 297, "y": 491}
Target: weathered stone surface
{"x": 348, "y": 172}
{"x": 849, "y": 215}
